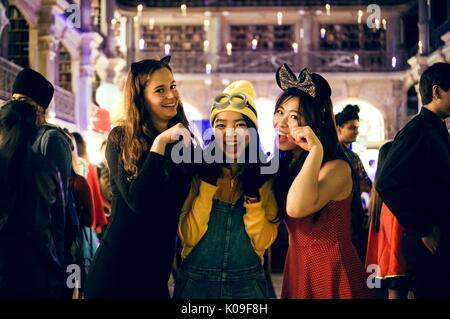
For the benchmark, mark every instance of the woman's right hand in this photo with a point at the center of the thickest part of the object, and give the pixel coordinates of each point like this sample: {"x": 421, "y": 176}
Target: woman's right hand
{"x": 169, "y": 136}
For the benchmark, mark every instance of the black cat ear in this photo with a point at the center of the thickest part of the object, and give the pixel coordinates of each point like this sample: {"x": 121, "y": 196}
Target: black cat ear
{"x": 165, "y": 60}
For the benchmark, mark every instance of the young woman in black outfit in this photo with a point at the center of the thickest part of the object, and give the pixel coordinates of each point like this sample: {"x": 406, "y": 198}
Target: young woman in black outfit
{"x": 31, "y": 211}
{"x": 135, "y": 257}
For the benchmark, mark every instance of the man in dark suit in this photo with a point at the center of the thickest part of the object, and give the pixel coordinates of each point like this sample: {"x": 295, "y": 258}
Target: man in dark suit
{"x": 415, "y": 184}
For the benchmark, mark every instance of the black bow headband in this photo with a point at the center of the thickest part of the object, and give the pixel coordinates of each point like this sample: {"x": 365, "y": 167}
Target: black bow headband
{"x": 286, "y": 79}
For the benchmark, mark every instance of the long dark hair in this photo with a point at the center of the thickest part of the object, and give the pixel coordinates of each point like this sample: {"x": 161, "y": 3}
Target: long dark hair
{"x": 139, "y": 130}
{"x": 375, "y": 199}
{"x": 18, "y": 131}
{"x": 318, "y": 114}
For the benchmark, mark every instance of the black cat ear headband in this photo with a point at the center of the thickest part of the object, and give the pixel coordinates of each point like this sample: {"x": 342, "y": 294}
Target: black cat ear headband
{"x": 137, "y": 67}
{"x": 286, "y": 79}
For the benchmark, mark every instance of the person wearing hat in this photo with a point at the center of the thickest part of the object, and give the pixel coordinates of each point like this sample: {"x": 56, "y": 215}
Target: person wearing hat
{"x": 315, "y": 191}
{"x": 228, "y": 220}
{"x": 51, "y": 141}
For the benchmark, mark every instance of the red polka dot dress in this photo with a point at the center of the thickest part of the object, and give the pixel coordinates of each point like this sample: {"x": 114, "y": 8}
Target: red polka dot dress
{"x": 321, "y": 262}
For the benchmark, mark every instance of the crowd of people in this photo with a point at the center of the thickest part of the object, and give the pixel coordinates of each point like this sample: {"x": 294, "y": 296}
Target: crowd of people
{"x": 218, "y": 211}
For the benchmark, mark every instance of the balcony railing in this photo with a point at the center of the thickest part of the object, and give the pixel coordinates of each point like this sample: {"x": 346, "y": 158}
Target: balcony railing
{"x": 267, "y": 61}
{"x": 63, "y": 99}
{"x": 8, "y": 72}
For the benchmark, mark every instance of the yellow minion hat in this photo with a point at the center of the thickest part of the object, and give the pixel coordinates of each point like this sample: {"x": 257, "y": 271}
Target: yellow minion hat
{"x": 237, "y": 97}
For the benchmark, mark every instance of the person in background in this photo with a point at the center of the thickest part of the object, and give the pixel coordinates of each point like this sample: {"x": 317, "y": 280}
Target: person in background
{"x": 103, "y": 179}
{"x": 98, "y": 217}
{"x": 32, "y": 215}
{"x": 383, "y": 248}
{"x": 347, "y": 124}
{"x": 414, "y": 183}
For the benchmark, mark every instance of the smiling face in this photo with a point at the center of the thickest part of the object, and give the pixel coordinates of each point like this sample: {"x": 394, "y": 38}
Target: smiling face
{"x": 231, "y": 133}
{"x": 161, "y": 97}
{"x": 286, "y": 117}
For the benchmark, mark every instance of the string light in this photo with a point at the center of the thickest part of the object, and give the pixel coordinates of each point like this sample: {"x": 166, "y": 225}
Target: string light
{"x": 167, "y": 49}
{"x": 151, "y": 22}
{"x": 208, "y": 68}
{"x": 394, "y": 62}
{"x": 356, "y": 59}
{"x": 140, "y": 7}
{"x": 384, "y": 23}
{"x": 328, "y": 8}
{"x": 360, "y": 14}
{"x": 229, "y": 47}
{"x": 420, "y": 45}
{"x": 206, "y": 25}
{"x": 254, "y": 44}
{"x": 301, "y": 12}
{"x": 295, "y": 47}
{"x": 377, "y": 23}
{"x": 141, "y": 44}
{"x": 322, "y": 33}
{"x": 183, "y": 8}
{"x": 280, "y": 18}
{"x": 205, "y": 45}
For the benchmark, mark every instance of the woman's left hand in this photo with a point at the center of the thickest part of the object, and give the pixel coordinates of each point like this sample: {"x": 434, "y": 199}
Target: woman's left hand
{"x": 304, "y": 137}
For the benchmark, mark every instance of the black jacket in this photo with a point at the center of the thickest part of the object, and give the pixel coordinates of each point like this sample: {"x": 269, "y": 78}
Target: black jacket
{"x": 135, "y": 257}
{"x": 32, "y": 239}
{"x": 414, "y": 181}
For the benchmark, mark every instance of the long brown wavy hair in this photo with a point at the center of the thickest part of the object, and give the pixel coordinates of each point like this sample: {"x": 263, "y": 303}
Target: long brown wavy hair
{"x": 139, "y": 131}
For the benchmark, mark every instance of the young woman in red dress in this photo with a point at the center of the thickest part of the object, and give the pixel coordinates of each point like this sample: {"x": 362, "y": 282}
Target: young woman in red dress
{"x": 316, "y": 188}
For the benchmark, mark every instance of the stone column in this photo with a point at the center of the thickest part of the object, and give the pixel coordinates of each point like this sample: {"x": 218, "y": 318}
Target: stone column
{"x": 84, "y": 92}
{"x": 214, "y": 36}
{"x": 424, "y": 26}
{"x": 307, "y": 43}
{"x": 110, "y": 49}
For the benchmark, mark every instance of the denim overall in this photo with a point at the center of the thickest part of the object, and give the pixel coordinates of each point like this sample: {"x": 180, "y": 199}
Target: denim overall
{"x": 223, "y": 265}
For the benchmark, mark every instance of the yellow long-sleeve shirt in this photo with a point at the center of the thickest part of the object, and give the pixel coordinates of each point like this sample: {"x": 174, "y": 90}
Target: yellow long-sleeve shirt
{"x": 194, "y": 218}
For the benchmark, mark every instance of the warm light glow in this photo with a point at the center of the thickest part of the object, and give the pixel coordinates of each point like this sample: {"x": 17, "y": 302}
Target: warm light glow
{"x": 167, "y": 49}
{"x": 302, "y": 33}
{"x": 394, "y": 61}
{"x": 360, "y": 14}
{"x": 328, "y": 8}
{"x": 295, "y": 47}
{"x": 356, "y": 58}
{"x": 113, "y": 22}
{"x": 377, "y": 23}
{"x": 205, "y": 45}
{"x": 301, "y": 12}
{"x": 208, "y": 68}
{"x": 229, "y": 48}
{"x": 206, "y": 25}
{"x": 141, "y": 44}
{"x": 151, "y": 22}
{"x": 384, "y": 23}
{"x": 140, "y": 7}
{"x": 254, "y": 44}
{"x": 280, "y": 18}
{"x": 322, "y": 33}
{"x": 183, "y": 8}
{"x": 420, "y": 47}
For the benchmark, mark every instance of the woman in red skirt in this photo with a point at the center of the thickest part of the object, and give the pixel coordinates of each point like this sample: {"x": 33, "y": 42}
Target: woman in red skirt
{"x": 315, "y": 189}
